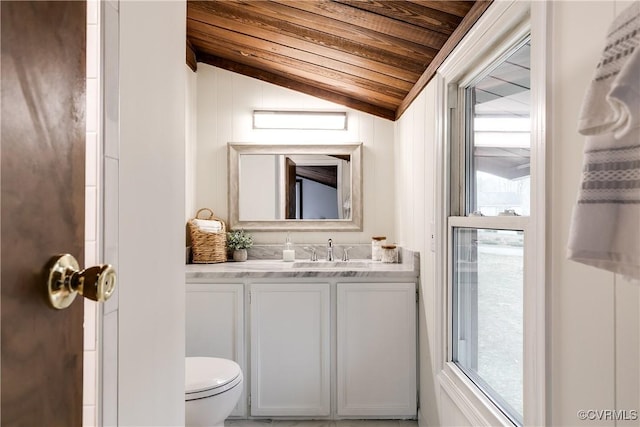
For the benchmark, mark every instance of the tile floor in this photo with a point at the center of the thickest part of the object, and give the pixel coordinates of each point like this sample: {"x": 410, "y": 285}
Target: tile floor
{"x": 321, "y": 423}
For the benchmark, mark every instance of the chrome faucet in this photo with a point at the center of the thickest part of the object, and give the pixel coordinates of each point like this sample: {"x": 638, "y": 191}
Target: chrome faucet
{"x": 330, "y": 250}
{"x": 314, "y": 256}
{"x": 345, "y": 254}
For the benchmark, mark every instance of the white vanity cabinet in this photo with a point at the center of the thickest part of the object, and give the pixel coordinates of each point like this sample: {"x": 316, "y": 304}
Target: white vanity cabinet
{"x": 290, "y": 349}
{"x": 215, "y": 325}
{"x": 376, "y": 349}
{"x": 312, "y": 343}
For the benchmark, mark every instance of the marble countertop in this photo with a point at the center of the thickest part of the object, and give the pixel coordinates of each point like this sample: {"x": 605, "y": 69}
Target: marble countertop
{"x": 270, "y": 268}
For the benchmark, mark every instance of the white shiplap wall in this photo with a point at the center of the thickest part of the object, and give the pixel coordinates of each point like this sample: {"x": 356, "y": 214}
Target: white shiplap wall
{"x": 415, "y": 195}
{"x": 594, "y": 355}
{"x": 225, "y": 102}
{"x": 593, "y": 348}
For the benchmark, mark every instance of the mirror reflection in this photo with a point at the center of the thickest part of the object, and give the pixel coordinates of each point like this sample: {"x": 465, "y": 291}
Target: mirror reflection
{"x": 290, "y": 186}
{"x": 303, "y": 187}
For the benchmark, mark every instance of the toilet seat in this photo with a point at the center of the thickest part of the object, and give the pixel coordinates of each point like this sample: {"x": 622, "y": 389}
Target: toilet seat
{"x": 210, "y": 376}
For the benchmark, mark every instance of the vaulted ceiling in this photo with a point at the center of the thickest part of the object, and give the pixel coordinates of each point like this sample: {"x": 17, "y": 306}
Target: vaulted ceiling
{"x": 370, "y": 55}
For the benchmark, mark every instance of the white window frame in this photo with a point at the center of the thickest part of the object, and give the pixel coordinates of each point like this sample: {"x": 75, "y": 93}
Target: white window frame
{"x": 500, "y": 27}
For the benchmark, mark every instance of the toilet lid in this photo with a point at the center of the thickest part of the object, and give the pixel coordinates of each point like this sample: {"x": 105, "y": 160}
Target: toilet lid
{"x": 210, "y": 374}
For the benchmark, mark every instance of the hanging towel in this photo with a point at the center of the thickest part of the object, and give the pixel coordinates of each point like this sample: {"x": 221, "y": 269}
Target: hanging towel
{"x": 605, "y": 228}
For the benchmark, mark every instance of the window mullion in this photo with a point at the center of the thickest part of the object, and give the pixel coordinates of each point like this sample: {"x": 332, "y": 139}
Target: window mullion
{"x": 491, "y": 222}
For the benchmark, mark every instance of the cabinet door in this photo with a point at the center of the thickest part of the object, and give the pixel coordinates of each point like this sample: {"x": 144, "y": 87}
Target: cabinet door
{"x": 376, "y": 348}
{"x": 290, "y": 355}
{"x": 215, "y": 325}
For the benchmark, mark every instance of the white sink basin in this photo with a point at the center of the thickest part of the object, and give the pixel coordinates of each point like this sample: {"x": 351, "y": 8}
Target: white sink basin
{"x": 312, "y": 265}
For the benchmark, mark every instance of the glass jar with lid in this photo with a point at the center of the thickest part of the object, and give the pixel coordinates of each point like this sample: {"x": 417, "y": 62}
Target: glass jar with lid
{"x": 389, "y": 254}
{"x": 376, "y": 247}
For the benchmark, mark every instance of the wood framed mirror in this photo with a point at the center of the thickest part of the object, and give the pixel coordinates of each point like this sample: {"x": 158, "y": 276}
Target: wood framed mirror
{"x": 295, "y": 187}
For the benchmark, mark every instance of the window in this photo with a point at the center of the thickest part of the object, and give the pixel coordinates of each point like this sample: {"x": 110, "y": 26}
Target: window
{"x": 488, "y": 228}
{"x": 487, "y": 331}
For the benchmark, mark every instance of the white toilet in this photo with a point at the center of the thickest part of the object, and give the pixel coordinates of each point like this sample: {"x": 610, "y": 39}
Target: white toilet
{"x": 212, "y": 389}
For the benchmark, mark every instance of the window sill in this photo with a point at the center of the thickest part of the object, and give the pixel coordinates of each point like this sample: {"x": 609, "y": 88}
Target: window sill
{"x": 473, "y": 404}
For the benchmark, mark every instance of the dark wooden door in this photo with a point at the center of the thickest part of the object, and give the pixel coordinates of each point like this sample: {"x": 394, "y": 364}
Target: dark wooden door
{"x": 290, "y": 188}
{"x": 42, "y": 208}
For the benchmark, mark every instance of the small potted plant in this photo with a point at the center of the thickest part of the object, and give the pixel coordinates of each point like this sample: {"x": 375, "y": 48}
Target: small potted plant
{"x": 238, "y": 241}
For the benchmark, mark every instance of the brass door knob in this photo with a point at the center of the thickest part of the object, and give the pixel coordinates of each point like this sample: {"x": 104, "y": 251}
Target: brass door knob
{"x": 66, "y": 280}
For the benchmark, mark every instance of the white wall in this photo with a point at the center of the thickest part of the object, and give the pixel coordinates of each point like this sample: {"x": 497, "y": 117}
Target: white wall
{"x": 593, "y": 348}
{"x": 259, "y": 181}
{"x": 320, "y": 201}
{"x": 225, "y": 104}
{"x": 415, "y": 196}
{"x": 151, "y": 347}
{"x": 594, "y": 352}
{"x": 191, "y": 131}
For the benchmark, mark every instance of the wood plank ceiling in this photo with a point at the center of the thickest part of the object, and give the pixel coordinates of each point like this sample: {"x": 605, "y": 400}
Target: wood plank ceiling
{"x": 370, "y": 55}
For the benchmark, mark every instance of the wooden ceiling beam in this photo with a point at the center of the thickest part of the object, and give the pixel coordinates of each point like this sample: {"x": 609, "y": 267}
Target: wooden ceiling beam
{"x": 457, "y": 8}
{"x": 365, "y": 70}
{"x": 336, "y": 40}
{"x": 299, "y": 86}
{"x": 379, "y": 31}
{"x": 354, "y": 86}
{"x": 411, "y": 13}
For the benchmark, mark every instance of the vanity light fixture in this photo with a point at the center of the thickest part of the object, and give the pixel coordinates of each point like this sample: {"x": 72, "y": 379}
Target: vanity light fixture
{"x": 302, "y": 120}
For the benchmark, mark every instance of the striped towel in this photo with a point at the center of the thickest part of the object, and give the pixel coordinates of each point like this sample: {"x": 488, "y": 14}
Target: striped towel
{"x": 605, "y": 228}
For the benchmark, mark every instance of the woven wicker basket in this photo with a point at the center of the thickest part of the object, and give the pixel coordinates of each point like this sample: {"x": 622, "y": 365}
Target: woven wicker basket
{"x": 208, "y": 247}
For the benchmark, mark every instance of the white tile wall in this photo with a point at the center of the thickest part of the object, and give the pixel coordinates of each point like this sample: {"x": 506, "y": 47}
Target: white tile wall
{"x": 92, "y": 12}
{"x": 90, "y": 215}
{"x": 89, "y": 392}
{"x": 91, "y": 210}
{"x": 92, "y": 104}
{"x": 89, "y": 330}
{"x": 92, "y": 40}
{"x": 91, "y": 159}
{"x": 88, "y": 415}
